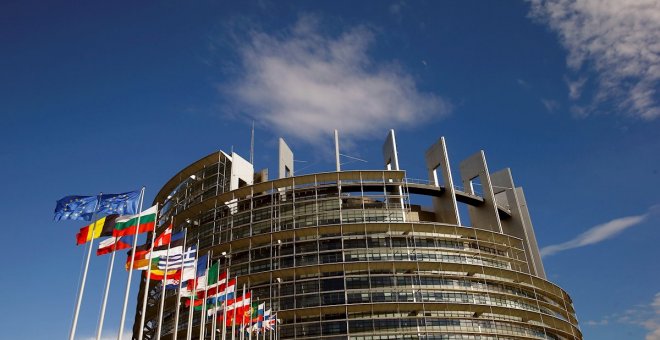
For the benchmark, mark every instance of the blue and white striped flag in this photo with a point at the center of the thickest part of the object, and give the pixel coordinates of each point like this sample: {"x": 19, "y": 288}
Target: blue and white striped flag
{"x": 177, "y": 261}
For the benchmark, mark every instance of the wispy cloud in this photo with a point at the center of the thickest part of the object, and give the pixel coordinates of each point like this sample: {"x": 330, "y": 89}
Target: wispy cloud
{"x": 619, "y": 40}
{"x": 396, "y": 7}
{"x": 550, "y": 105}
{"x": 575, "y": 87}
{"x": 523, "y": 83}
{"x": 596, "y": 234}
{"x": 645, "y": 315}
{"x": 304, "y": 84}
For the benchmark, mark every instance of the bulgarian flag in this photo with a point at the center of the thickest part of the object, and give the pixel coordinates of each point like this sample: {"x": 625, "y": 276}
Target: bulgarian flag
{"x": 128, "y": 225}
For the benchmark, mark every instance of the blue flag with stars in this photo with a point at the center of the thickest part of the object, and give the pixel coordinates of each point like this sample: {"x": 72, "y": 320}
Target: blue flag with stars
{"x": 82, "y": 208}
{"x": 123, "y": 204}
{"x": 79, "y": 208}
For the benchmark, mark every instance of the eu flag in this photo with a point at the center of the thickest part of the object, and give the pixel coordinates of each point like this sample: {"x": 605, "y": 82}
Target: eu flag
{"x": 123, "y": 204}
{"x": 79, "y": 208}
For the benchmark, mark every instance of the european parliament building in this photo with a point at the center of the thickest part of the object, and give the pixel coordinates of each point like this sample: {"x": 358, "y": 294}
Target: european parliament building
{"x": 352, "y": 255}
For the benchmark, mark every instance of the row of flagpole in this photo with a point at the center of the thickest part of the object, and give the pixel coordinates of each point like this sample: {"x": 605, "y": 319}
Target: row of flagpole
{"x": 78, "y": 207}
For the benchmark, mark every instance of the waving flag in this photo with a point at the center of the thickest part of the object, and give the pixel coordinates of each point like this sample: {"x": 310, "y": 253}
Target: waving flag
{"x": 192, "y": 284}
{"x": 178, "y": 261}
{"x": 204, "y": 279}
{"x": 241, "y": 304}
{"x": 122, "y": 204}
{"x": 261, "y": 308}
{"x": 102, "y": 227}
{"x": 267, "y": 324}
{"x": 82, "y": 208}
{"x": 79, "y": 208}
{"x": 128, "y": 225}
{"x": 157, "y": 274}
{"x": 215, "y": 287}
{"x": 226, "y": 293}
{"x": 112, "y": 243}
{"x": 164, "y": 238}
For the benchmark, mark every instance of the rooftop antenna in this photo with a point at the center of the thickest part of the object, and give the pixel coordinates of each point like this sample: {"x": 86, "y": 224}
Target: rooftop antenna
{"x": 252, "y": 145}
{"x": 337, "y": 150}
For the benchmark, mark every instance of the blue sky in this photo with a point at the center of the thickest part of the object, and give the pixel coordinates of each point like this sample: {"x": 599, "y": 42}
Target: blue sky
{"x": 113, "y": 96}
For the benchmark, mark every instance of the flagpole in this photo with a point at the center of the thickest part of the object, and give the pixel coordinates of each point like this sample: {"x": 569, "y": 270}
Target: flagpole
{"x": 233, "y": 319}
{"x": 192, "y": 300}
{"x": 107, "y": 291}
{"x": 215, "y": 304}
{"x": 72, "y": 334}
{"x": 240, "y": 327}
{"x": 224, "y": 310}
{"x": 146, "y": 286}
{"x": 250, "y": 321}
{"x": 164, "y": 284}
{"x": 178, "y": 294}
{"x": 202, "y": 316}
{"x": 130, "y": 271}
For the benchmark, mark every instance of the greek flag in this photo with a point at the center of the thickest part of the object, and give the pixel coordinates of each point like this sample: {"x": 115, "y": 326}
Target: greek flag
{"x": 177, "y": 261}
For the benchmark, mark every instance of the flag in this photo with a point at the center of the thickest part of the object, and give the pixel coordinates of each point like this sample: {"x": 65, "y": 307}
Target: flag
{"x": 241, "y": 304}
{"x": 267, "y": 320}
{"x": 122, "y": 204}
{"x": 260, "y": 316}
{"x": 219, "y": 287}
{"x": 253, "y": 314}
{"x": 188, "y": 273}
{"x": 178, "y": 261}
{"x": 227, "y": 293}
{"x": 143, "y": 258}
{"x": 158, "y": 275}
{"x": 112, "y": 243}
{"x": 175, "y": 244}
{"x": 191, "y": 284}
{"x": 140, "y": 260}
{"x": 102, "y": 227}
{"x": 127, "y": 225}
{"x": 172, "y": 281}
{"x": 206, "y": 278}
{"x": 79, "y": 208}
{"x": 164, "y": 238}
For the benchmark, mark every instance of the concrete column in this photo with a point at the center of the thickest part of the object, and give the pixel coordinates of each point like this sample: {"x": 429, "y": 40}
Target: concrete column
{"x": 484, "y": 216}
{"x": 529, "y": 230}
{"x": 519, "y": 224}
{"x": 285, "y": 160}
{"x": 445, "y": 206}
{"x": 390, "y": 155}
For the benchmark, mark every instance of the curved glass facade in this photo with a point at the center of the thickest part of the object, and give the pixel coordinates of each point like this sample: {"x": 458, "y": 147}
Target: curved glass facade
{"x": 347, "y": 255}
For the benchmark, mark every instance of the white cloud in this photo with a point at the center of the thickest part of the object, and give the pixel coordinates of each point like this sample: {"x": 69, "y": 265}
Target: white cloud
{"x": 596, "y": 234}
{"x": 598, "y": 323}
{"x": 653, "y": 323}
{"x": 304, "y": 84}
{"x": 620, "y": 40}
{"x": 646, "y": 316}
{"x": 575, "y": 87}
